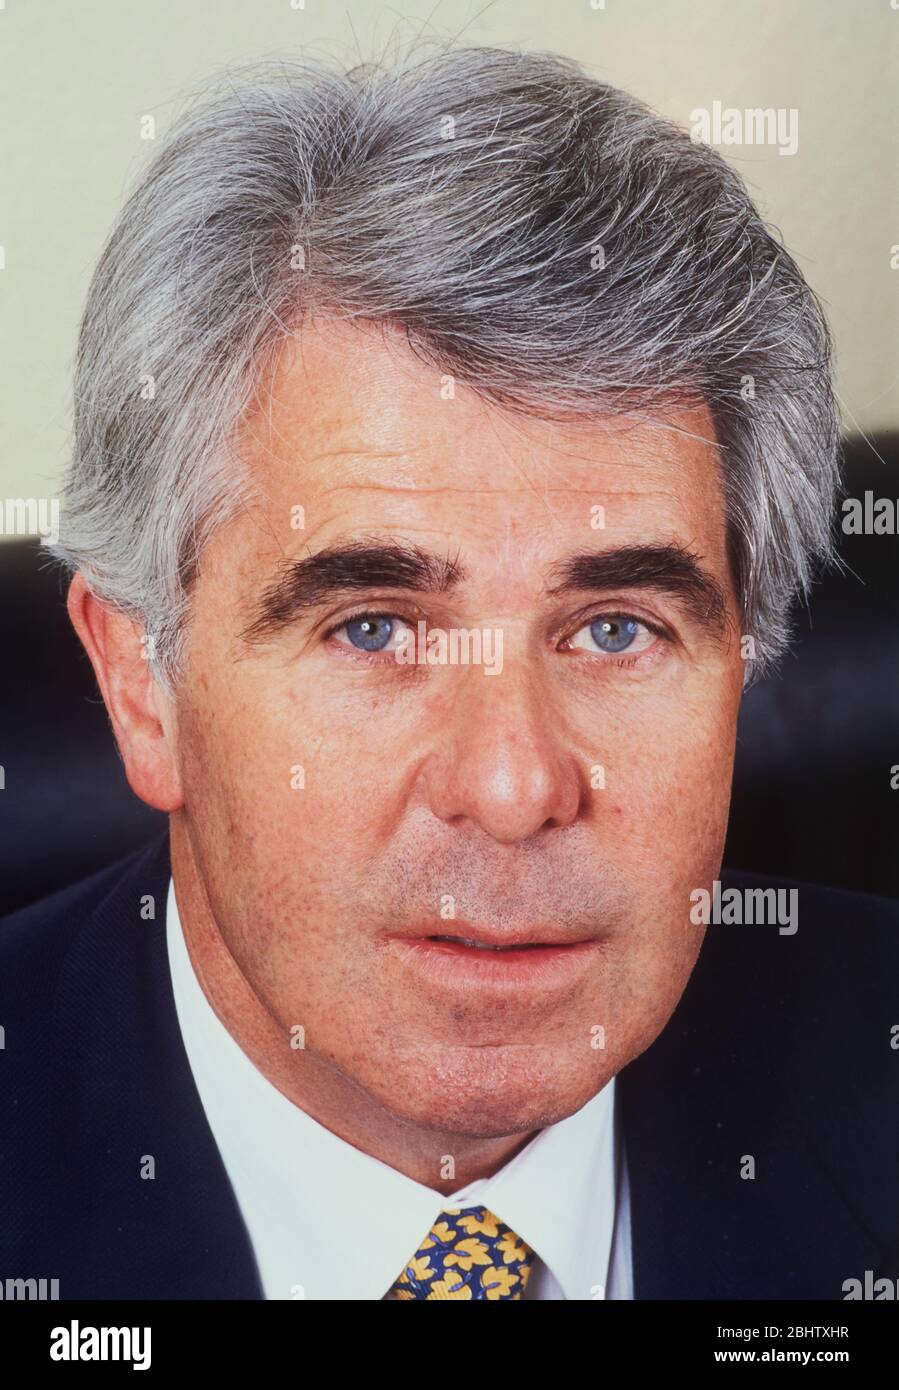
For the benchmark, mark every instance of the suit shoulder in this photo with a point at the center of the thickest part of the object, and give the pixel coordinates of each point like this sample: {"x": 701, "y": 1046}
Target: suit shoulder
{"x": 35, "y": 941}
{"x": 812, "y": 992}
{"x": 858, "y": 931}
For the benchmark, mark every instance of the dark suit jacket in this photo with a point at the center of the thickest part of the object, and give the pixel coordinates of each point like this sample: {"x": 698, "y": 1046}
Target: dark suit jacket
{"x": 779, "y": 1049}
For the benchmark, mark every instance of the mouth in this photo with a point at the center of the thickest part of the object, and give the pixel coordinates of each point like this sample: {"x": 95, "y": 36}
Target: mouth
{"x": 495, "y": 960}
{"x": 473, "y": 944}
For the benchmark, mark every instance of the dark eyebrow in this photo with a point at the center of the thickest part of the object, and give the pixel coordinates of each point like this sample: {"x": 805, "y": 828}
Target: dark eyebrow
{"x": 668, "y": 567}
{"x": 346, "y": 568}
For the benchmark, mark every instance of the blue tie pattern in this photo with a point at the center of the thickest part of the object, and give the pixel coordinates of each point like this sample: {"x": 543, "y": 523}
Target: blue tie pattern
{"x": 467, "y": 1254}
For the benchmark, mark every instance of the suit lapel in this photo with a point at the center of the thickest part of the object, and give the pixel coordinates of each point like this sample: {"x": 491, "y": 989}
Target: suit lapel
{"x": 129, "y": 1108}
{"x": 719, "y": 1087}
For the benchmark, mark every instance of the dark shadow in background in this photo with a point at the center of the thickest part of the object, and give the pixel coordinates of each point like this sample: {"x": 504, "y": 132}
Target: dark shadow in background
{"x": 812, "y": 797}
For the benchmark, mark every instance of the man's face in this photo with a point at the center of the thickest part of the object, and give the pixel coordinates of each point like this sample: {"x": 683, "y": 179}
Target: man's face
{"x": 566, "y": 804}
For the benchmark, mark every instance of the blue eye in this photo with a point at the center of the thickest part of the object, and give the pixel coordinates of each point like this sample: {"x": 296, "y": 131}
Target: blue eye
{"x": 369, "y": 634}
{"x": 614, "y": 634}
{"x": 611, "y": 634}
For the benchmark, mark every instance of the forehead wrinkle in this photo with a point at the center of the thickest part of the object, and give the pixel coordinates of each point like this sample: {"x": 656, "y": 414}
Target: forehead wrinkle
{"x": 360, "y": 453}
{"x": 495, "y": 491}
{"x": 547, "y": 467}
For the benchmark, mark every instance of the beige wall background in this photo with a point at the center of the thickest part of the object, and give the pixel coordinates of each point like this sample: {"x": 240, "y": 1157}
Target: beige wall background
{"x": 78, "y": 76}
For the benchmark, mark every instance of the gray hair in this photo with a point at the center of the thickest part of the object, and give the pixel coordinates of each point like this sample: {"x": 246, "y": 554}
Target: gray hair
{"x": 540, "y": 236}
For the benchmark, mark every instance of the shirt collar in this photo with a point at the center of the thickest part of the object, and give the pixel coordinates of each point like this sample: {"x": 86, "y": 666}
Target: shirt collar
{"x": 558, "y": 1194}
{"x": 328, "y": 1221}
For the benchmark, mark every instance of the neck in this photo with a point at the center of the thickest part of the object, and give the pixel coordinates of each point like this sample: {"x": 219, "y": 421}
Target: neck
{"x": 331, "y": 1098}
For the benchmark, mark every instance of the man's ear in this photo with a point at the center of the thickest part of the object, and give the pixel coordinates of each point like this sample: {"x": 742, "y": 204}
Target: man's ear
{"x": 142, "y": 715}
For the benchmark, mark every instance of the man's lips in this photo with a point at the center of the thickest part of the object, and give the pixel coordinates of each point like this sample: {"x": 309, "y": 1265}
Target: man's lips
{"x": 493, "y": 939}
{"x": 482, "y": 957}
{"x": 471, "y": 943}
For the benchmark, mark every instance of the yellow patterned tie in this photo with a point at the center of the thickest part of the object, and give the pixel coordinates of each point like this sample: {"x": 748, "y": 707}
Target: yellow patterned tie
{"x": 466, "y": 1254}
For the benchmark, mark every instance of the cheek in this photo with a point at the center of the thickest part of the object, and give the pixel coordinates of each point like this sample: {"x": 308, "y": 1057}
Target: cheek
{"x": 274, "y": 779}
{"x": 668, "y": 786}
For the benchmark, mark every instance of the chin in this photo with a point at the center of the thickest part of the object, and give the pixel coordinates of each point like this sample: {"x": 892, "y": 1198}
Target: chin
{"x": 492, "y": 1092}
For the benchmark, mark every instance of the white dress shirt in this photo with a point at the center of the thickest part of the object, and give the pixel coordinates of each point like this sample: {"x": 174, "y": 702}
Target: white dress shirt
{"x": 327, "y": 1221}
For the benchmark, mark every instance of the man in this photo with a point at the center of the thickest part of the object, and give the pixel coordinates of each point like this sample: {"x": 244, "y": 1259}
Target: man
{"x": 450, "y": 444}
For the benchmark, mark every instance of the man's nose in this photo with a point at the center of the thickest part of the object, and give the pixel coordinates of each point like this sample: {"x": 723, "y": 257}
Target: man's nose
{"x": 500, "y": 760}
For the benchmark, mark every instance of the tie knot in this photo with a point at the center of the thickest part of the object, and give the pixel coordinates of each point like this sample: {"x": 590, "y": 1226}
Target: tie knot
{"x": 468, "y": 1253}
